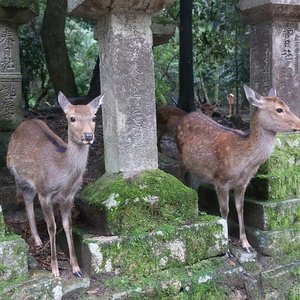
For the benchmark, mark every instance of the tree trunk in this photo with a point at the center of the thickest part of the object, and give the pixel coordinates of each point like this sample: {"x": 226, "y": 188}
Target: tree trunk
{"x": 186, "y": 78}
{"x": 56, "y": 53}
{"x": 95, "y": 89}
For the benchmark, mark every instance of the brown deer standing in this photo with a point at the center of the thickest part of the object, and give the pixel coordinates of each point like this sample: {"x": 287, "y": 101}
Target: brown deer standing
{"x": 167, "y": 118}
{"x": 43, "y": 163}
{"x": 228, "y": 158}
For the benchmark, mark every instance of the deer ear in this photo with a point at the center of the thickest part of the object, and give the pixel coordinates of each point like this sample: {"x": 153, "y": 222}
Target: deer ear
{"x": 272, "y": 92}
{"x": 95, "y": 103}
{"x": 253, "y": 97}
{"x": 63, "y": 102}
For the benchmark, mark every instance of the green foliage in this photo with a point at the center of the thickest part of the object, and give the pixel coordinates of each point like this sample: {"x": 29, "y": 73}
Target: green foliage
{"x": 221, "y": 51}
{"x": 82, "y": 48}
{"x": 83, "y": 51}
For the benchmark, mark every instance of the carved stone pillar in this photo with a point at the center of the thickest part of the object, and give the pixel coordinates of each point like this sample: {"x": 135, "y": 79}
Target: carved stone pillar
{"x": 127, "y": 79}
{"x": 12, "y": 14}
{"x": 275, "y": 47}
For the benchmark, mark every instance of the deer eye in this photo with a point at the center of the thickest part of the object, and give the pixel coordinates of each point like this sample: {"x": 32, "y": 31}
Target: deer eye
{"x": 279, "y": 110}
{"x": 72, "y": 119}
{"x": 94, "y": 119}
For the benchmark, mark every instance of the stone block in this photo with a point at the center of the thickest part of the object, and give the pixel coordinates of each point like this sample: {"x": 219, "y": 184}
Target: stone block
{"x": 279, "y": 178}
{"x": 38, "y": 285}
{"x": 115, "y": 205}
{"x": 13, "y": 257}
{"x": 272, "y": 243}
{"x": 283, "y": 279}
{"x": 273, "y": 216}
{"x": 199, "y": 281}
{"x": 169, "y": 246}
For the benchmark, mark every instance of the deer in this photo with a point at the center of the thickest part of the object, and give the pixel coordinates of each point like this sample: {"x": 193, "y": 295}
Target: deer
{"x": 42, "y": 163}
{"x": 229, "y": 158}
{"x": 167, "y": 118}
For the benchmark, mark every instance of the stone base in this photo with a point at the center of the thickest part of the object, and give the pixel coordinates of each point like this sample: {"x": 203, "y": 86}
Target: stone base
{"x": 168, "y": 246}
{"x": 114, "y": 205}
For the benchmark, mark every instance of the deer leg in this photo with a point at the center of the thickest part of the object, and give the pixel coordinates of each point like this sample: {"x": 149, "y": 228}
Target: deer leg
{"x": 47, "y": 208}
{"x": 65, "y": 210}
{"x": 28, "y": 196}
{"x": 239, "y": 194}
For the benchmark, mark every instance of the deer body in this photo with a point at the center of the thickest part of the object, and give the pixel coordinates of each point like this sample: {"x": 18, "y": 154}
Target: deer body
{"x": 229, "y": 158}
{"x": 43, "y": 163}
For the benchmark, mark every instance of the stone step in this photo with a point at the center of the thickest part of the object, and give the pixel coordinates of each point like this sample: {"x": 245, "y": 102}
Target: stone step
{"x": 273, "y": 215}
{"x": 168, "y": 246}
{"x": 193, "y": 282}
{"x": 214, "y": 278}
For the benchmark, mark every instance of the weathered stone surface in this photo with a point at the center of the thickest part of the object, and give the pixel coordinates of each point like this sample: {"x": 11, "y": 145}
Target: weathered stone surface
{"x": 13, "y": 257}
{"x": 94, "y": 9}
{"x": 40, "y": 285}
{"x": 199, "y": 281}
{"x": 116, "y": 205}
{"x": 273, "y": 216}
{"x": 274, "y": 243}
{"x": 75, "y": 287}
{"x": 168, "y": 246}
{"x": 274, "y": 61}
{"x": 127, "y": 78}
{"x": 284, "y": 279}
{"x": 279, "y": 178}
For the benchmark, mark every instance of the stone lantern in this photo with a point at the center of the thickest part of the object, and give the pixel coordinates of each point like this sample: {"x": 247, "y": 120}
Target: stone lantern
{"x": 127, "y": 79}
{"x": 274, "y": 47}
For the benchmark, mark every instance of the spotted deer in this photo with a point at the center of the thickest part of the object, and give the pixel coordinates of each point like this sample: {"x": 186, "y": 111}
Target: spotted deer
{"x": 229, "y": 158}
{"x": 43, "y": 163}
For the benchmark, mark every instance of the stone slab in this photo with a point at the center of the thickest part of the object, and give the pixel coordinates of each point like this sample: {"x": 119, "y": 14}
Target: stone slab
{"x": 94, "y": 9}
{"x": 115, "y": 205}
{"x": 13, "y": 257}
{"x": 273, "y": 216}
{"x": 38, "y": 285}
{"x": 169, "y": 246}
{"x": 272, "y": 243}
{"x": 192, "y": 282}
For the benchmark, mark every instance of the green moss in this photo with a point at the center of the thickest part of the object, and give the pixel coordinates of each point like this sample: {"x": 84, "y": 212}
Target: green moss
{"x": 279, "y": 178}
{"x": 168, "y": 247}
{"x": 294, "y": 292}
{"x": 8, "y": 284}
{"x": 209, "y": 291}
{"x": 142, "y": 203}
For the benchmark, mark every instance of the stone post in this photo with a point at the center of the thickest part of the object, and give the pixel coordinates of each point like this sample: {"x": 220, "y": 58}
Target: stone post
{"x": 274, "y": 47}
{"x": 127, "y": 79}
{"x": 12, "y": 14}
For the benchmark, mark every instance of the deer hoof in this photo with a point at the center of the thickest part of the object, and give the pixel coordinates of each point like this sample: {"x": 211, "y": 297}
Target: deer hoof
{"x": 78, "y": 274}
{"x": 229, "y": 254}
{"x": 249, "y": 249}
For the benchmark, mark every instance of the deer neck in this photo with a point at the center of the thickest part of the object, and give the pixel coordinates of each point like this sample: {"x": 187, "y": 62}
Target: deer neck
{"x": 76, "y": 156}
{"x": 261, "y": 140}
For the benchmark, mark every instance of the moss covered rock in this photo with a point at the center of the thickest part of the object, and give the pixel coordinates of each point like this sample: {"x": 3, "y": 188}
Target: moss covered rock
{"x": 13, "y": 257}
{"x": 169, "y": 246}
{"x": 273, "y": 215}
{"x": 141, "y": 204}
{"x": 279, "y": 178}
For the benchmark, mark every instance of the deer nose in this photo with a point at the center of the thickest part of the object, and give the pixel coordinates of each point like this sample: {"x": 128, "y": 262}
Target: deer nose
{"x": 88, "y": 136}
